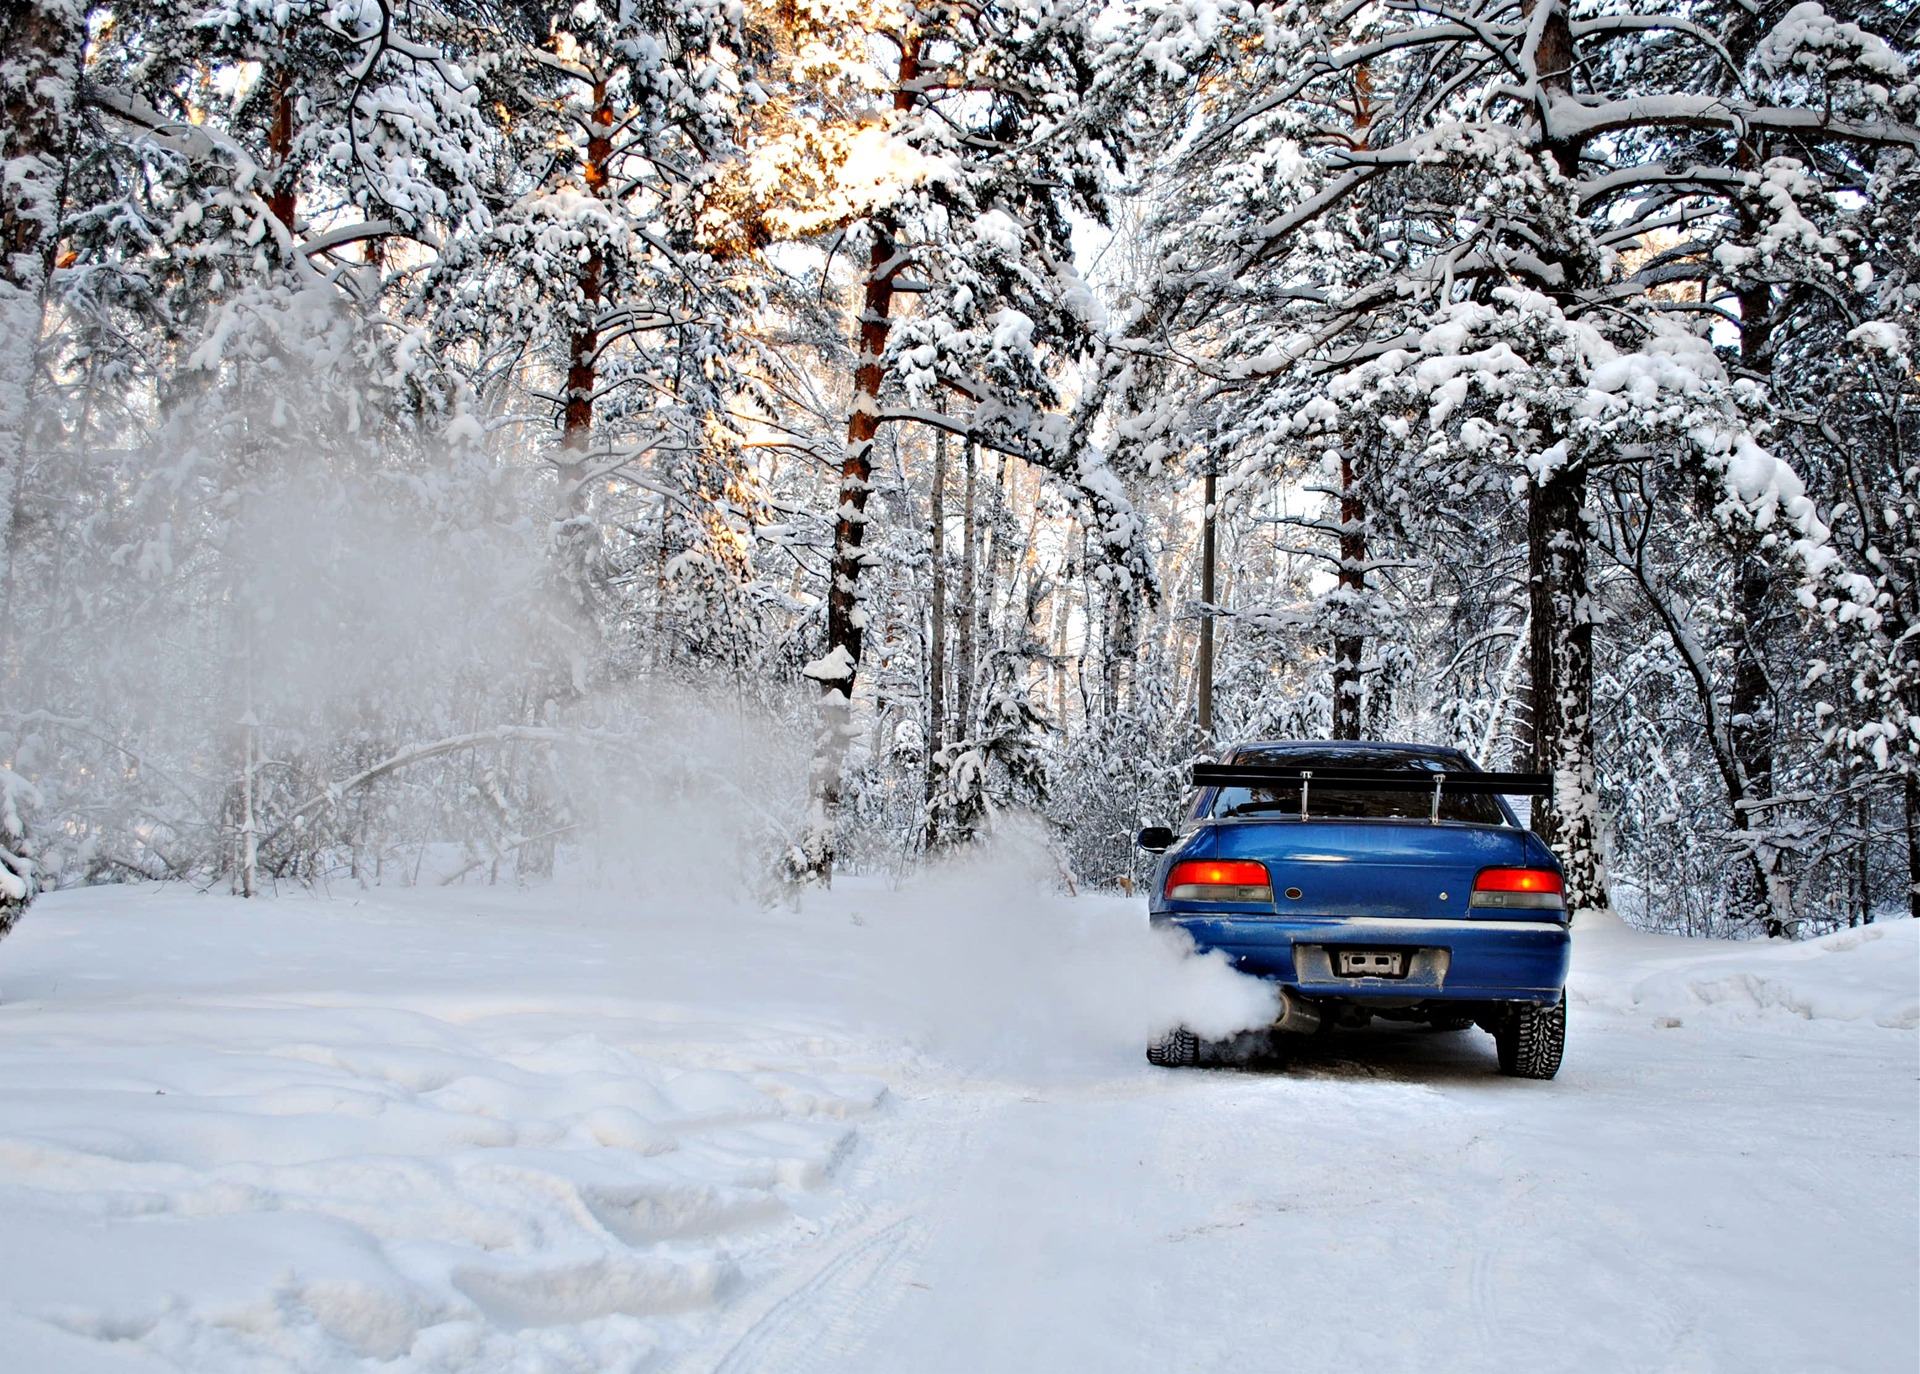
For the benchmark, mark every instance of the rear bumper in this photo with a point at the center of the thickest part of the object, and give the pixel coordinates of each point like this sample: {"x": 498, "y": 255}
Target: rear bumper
{"x": 1464, "y": 961}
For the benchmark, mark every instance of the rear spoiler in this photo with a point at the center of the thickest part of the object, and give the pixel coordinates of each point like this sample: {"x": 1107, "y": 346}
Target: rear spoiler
{"x": 1373, "y": 779}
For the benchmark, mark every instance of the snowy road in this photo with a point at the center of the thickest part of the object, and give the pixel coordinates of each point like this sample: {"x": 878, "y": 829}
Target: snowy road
{"x": 502, "y": 1131}
{"x": 1681, "y": 1200}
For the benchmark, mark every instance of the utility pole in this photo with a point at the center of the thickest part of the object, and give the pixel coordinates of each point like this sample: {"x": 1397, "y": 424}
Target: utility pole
{"x": 1206, "y": 608}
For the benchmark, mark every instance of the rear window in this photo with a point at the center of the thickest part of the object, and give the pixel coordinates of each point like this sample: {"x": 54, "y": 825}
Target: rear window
{"x": 1336, "y": 803}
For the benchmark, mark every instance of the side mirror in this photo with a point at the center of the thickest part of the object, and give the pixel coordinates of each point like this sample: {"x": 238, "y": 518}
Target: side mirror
{"x": 1155, "y": 839}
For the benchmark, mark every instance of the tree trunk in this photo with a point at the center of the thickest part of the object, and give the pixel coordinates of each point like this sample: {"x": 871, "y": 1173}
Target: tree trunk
{"x": 574, "y": 537}
{"x": 1759, "y": 891}
{"x": 1559, "y": 595}
{"x": 1062, "y": 614}
{"x": 283, "y": 203}
{"x": 1912, "y": 789}
{"x": 1553, "y": 63}
{"x": 583, "y": 346}
{"x": 283, "y": 188}
{"x": 998, "y": 560}
{"x": 1561, "y": 659}
{"x": 968, "y": 625}
{"x": 838, "y": 670}
{"x": 1750, "y": 730}
{"x": 937, "y": 651}
{"x": 42, "y": 43}
{"x": 248, "y": 877}
{"x": 1027, "y": 586}
{"x": 1862, "y": 913}
{"x": 1349, "y": 644}
{"x": 846, "y": 620}
{"x": 1118, "y": 643}
{"x": 1204, "y": 713}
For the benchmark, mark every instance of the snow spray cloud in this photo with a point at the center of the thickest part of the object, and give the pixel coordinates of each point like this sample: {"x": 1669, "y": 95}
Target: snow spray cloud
{"x": 275, "y": 612}
{"x": 220, "y": 620}
{"x": 989, "y": 967}
{"x": 262, "y": 596}
{"x": 691, "y": 796}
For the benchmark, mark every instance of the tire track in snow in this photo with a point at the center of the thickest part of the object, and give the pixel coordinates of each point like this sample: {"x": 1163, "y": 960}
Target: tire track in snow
{"x": 815, "y": 1318}
{"x": 816, "y": 1315}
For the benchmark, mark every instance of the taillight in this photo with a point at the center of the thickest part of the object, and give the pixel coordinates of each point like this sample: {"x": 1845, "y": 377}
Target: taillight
{"x": 1523, "y": 889}
{"x": 1219, "y": 880}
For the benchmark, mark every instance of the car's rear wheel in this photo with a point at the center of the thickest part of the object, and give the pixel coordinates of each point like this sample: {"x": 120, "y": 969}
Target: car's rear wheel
{"x": 1531, "y": 1040}
{"x": 1179, "y": 1048}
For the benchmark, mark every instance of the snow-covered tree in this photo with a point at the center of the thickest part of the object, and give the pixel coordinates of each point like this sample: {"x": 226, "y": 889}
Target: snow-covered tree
{"x": 592, "y": 304}
{"x": 1842, "y": 361}
{"x": 408, "y": 410}
{"x": 1520, "y": 161}
{"x": 950, "y": 167}
{"x": 38, "y": 117}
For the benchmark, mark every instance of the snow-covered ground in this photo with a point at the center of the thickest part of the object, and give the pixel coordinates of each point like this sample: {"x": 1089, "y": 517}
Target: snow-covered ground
{"x": 912, "y": 1132}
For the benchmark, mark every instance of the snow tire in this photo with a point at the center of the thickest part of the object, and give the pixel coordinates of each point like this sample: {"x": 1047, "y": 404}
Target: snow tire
{"x": 1179, "y": 1048}
{"x": 1531, "y": 1040}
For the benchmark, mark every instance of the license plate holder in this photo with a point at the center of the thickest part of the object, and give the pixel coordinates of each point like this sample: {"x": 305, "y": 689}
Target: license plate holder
{"x": 1370, "y": 963}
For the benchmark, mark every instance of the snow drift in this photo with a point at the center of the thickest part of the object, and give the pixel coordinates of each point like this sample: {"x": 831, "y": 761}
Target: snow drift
{"x": 1870, "y": 974}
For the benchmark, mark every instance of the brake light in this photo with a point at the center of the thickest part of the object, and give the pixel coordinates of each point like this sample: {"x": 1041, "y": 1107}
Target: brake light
{"x": 1219, "y": 880}
{"x": 1524, "y": 889}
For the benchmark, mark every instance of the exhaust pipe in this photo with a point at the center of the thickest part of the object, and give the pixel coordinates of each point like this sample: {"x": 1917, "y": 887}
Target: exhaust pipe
{"x": 1298, "y": 1014}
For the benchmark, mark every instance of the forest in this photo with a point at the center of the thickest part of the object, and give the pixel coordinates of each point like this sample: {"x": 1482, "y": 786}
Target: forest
{"x": 465, "y": 441}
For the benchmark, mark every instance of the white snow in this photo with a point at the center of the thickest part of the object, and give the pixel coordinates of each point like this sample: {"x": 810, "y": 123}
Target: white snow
{"x": 1809, "y": 38}
{"x": 1012, "y": 332}
{"x": 1871, "y": 974}
{"x": 837, "y": 666}
{"x": 999, "y": 231}
{"x": 564, "y": 1130}
{"x": 1886, "y": 336}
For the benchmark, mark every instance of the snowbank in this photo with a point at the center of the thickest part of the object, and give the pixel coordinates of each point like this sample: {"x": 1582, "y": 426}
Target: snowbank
{"x": 1869, "y": 975}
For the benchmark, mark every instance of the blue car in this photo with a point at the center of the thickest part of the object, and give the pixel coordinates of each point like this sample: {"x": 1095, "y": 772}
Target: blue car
{"x": 1372, "y": 879}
